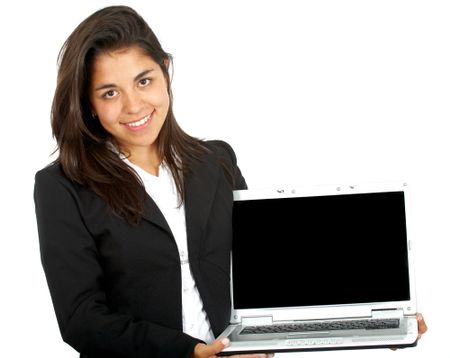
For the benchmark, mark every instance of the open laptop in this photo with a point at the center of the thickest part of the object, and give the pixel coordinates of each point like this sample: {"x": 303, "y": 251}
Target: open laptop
{"x": 321, "y": 268}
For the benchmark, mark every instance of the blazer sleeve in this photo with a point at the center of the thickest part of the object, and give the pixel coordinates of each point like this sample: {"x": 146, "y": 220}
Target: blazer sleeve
{"x": 74, "y": 276}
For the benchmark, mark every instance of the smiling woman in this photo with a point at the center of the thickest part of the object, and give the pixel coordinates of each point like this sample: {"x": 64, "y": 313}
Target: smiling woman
{"x": 113, "y": 76}
{"x": 134, "y": 216}
{"x": 128, "y": 94}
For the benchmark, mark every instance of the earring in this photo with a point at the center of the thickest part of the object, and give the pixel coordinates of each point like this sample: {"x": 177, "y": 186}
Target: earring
{"x": 94, "y": 115}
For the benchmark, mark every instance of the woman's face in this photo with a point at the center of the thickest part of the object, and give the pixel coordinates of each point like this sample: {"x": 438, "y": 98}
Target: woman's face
{"x": 129, "y": 95}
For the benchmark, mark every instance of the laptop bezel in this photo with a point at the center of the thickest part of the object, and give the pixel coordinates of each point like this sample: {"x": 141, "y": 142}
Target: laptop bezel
{"x": 406, "y": 307}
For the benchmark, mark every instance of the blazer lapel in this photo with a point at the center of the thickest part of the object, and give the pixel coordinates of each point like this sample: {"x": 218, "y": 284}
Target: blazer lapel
{"x": 154, "y": 215}
{"x": 200, "y": 186}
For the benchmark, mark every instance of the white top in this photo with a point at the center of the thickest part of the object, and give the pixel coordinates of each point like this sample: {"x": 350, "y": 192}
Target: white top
{"x": 163, "y": 191}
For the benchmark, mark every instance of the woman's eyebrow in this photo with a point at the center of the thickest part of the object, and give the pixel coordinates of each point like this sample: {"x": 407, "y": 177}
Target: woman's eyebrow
{"x": 136, "y": 78}
{"x": 142, "y": 74}
{"x": 105, "y": 86}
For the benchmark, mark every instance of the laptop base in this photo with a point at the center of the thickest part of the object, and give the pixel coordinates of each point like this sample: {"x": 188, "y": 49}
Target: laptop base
{"x": 402, "y": 337}
{"x": 299, "y": 349}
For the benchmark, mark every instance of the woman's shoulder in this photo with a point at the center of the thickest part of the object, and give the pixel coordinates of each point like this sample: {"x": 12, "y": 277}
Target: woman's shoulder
{"x": 49, "y": 172}
{"x": 227, "y": 159}
{"x": 51, "y": 185}
{"x": 53, "y": 176}
{"x": 221, "y": 149}
{"x": 216, "y": 144}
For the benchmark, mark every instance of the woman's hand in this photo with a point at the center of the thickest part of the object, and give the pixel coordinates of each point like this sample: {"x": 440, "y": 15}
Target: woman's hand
{"x": 422, "y": 326}
{"x": 210, "y": 350}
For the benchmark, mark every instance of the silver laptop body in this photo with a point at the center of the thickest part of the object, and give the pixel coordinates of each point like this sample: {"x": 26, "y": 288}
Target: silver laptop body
{"x": 321, "y": 268}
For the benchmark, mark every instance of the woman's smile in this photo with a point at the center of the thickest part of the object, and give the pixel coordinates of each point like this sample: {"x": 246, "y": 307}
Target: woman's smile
{"x": 140, "y": 123}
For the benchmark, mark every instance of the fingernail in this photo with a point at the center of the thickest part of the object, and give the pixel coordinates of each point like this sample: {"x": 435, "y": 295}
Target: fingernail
{"x": 225, "y": 342}
{"x": 271, "y": 355}
{"x": 419, "y": 317}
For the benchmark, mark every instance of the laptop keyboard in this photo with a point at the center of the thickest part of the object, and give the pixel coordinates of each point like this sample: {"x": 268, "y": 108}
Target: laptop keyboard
{"x": 323, "y": 326}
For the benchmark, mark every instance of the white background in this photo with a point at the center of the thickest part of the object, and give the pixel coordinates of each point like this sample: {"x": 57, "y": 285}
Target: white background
{"x": 307, "y": 92}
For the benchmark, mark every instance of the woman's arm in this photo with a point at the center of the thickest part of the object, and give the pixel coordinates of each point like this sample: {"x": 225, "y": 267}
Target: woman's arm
{"x": 71, "y": 263}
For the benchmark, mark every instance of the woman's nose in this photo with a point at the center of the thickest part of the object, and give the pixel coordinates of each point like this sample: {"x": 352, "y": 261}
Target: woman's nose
{"x": 132, "y": 102}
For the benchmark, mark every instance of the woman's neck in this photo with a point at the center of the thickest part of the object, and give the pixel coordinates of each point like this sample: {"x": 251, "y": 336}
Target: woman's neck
{"x": 146, "y": 158}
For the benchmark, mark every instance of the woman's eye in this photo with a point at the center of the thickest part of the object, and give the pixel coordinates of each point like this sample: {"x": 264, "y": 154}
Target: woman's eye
{"x": 110, "y": 94}
{"x": 144, "y": 82}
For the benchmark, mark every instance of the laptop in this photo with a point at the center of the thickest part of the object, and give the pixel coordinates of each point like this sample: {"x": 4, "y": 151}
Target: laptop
{"x": 321, "y": 268}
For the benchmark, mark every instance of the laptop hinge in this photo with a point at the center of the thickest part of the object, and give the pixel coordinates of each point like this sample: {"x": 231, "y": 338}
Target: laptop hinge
{"x": 257, "y": 320}
{"x": 388, "y": 313}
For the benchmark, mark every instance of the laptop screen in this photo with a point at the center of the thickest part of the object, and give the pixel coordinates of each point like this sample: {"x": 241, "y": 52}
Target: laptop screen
{"x": 320, "y": 250}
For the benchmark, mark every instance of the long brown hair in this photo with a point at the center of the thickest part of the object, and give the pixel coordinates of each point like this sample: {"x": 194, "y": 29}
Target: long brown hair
{"x": 85, "y": 153}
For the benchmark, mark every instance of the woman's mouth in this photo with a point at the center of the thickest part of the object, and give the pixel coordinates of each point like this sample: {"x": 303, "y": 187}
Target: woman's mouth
{"x": 140, "y": 123}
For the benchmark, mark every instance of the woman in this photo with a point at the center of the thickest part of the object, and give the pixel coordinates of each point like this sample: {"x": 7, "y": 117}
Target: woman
{"x": 129, "y": 272}
{"x": 134, "y": 216}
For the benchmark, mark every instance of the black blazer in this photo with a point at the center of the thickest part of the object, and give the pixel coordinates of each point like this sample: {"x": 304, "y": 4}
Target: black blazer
{"x": 116, "y": 288}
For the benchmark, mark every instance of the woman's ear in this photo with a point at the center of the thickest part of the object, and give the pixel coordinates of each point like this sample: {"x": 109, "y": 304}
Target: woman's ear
{"x": 166, "y": 63}
{"x": 93, "y": 112}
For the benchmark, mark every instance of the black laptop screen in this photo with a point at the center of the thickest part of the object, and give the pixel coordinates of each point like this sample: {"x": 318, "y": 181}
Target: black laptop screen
{"x": 322, "y": 250}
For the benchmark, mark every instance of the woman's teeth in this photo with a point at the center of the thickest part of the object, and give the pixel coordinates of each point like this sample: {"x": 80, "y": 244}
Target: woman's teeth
{"x": 139, "y": 122}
